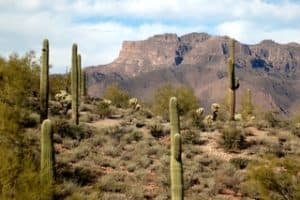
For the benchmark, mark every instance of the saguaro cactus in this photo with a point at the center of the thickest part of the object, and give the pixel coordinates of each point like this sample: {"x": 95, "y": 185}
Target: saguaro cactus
{"x": 176, "y": 170}
{"x": 44, "y": 81}
{"x": 83, "y": 87}
{"x": 233, "y": 82}
{"x": 47, "y": 153}
{"x": 75, "y": 85}
{"x": 79, "y": 74}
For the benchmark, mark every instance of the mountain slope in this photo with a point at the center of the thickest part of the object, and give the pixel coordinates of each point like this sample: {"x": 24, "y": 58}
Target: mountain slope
{"x": 198, "y": 60}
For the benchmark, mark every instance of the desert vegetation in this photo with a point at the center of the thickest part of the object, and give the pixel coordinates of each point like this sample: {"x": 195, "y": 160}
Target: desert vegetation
{"x": 57, "y": 142}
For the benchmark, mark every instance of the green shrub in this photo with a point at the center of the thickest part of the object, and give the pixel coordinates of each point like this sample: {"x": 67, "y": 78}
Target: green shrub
{"x": 239, "y": 163}
{"x": 66, "y": 129}
{"x": 271, "y": 117}
{"x": 117, "y": 96}
{"x": 247, "y": 107}
{"x": 186, "y": 99}
{"x": 103, "y": 110}
{"x": 232, "y": 138}
{"x": 273, "y": 179}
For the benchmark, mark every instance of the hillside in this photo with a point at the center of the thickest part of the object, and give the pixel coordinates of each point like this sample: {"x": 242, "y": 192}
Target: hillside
{"x": 198, "y": 60}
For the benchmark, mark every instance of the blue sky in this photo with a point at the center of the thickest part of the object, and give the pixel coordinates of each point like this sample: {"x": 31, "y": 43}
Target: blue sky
{"x": 100, "y": 26}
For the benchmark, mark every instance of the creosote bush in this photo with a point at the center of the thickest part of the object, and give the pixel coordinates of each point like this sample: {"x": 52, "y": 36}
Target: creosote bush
{"x": 186, "y": 98}
{"x": 117, "y": 96}
{"x": 232, "y": 138}
{"x": 273, "y": 178}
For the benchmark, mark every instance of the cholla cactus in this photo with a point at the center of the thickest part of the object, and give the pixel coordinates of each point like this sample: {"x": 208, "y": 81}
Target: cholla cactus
{"x": 137, "y": 107}
{"x": 107, "y": 101}
{"x": 65, "y": 100}
{"x": 238, "y": 117}
{"x": 208, "y": 120}
{"x": 175, "y": 162}
{"x": 215, "y": 108}
{"x": 200, "y": 111}
{"x": 133, "y": 102}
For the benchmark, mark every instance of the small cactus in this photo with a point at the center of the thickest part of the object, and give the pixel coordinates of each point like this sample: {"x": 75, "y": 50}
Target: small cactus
{"x": 233, "y": 82}
{"x": 200, "y": 111}
{"x": 176, "y": 170}
{"x": 44, "y": 81}
{"x": 214, "y": 109}
{"x": 47, "y": 153}
{"x": 74, "y": 85}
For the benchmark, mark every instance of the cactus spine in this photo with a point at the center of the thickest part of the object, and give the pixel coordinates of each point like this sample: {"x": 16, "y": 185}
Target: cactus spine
{"x": 233, "y": 82}
{"x": 176, "y": 170}
{"x": 75, "y": 85}
{"x": 44, "y": 81}
{"x": 47, "y": 153}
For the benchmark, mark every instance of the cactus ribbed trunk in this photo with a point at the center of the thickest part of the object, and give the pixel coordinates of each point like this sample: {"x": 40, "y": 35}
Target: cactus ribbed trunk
{"x": 83, "y": 88}
{"x": 79, "y": 75}
{"x": 44, "y": 81}
{"x": 176, "y": 170}
{"x": 47, "y": 154}
{"x": 75, "y": 85}
{"x": 233, "y": 82}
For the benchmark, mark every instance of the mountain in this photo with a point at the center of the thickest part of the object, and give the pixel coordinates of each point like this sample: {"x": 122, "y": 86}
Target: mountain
{"x": 269, "y": 69}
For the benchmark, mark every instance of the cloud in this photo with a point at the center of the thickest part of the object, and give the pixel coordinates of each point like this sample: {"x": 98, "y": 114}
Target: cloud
{"x": 99, "y": 27}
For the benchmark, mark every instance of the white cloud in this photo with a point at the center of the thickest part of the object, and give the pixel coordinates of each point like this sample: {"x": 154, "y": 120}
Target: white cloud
{"x": 25, "y": 23}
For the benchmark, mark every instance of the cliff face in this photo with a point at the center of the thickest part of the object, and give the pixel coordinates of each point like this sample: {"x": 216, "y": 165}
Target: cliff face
{"x": 198, "y": 60}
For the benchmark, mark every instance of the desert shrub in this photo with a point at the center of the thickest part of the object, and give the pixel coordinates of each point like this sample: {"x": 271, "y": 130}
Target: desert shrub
{"x": 227, "y": 177}
{"x": 271, "y": 117}
{"x": 66, "y": 129}
{"x": 156, "y": 130}
{"x": 239, "y": 163}
{"x": 103, "y": 110}
{"x": 197, "y": 120}
{"x": 186, "y": 99}
{"x": 232, "y": 138}
{"x": 117, "y": 96}
{"x": 29, "y": 119}
{"x": 295, "y": 130}
{"x": 247, "y": 107}
{"x": 273, "y": 178}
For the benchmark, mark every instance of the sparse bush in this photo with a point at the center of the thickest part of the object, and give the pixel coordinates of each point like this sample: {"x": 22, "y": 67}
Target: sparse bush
{"x": 272, "y": 118}
{"x": 186, "y": 98}
{"x": 103, "y": 110}
{"x": 66, "y": 129}
{"x": 273, "y": 178}
{"x": 156, "y": 130}
{"x": 197, "y": 120}
{"x": 117, "y": 96}
{"x": 232, "y": 138}
{"x": 247, "y": 107}
{"x": 240, "y": 163}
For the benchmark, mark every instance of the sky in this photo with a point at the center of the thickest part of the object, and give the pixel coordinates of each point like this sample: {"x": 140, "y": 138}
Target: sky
{"x": 100, "y": 26}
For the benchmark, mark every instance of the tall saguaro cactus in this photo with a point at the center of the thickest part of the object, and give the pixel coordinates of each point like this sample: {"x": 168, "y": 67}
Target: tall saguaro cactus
{"x": 176, "y": 170}
{"x": 233, "y": 82}
{"x": 47, "y": 153}
{"x": 75, "y": 85}
{"x": 79, "y": 74}
{"x": 44, "y": 81}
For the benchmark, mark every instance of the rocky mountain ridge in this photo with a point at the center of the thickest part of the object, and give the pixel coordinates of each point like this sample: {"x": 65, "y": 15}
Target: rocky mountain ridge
{"x": 199, "y": 60}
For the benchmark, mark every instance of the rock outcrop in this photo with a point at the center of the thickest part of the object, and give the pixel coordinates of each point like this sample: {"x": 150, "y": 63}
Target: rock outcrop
{"x": 269, "y": 69}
